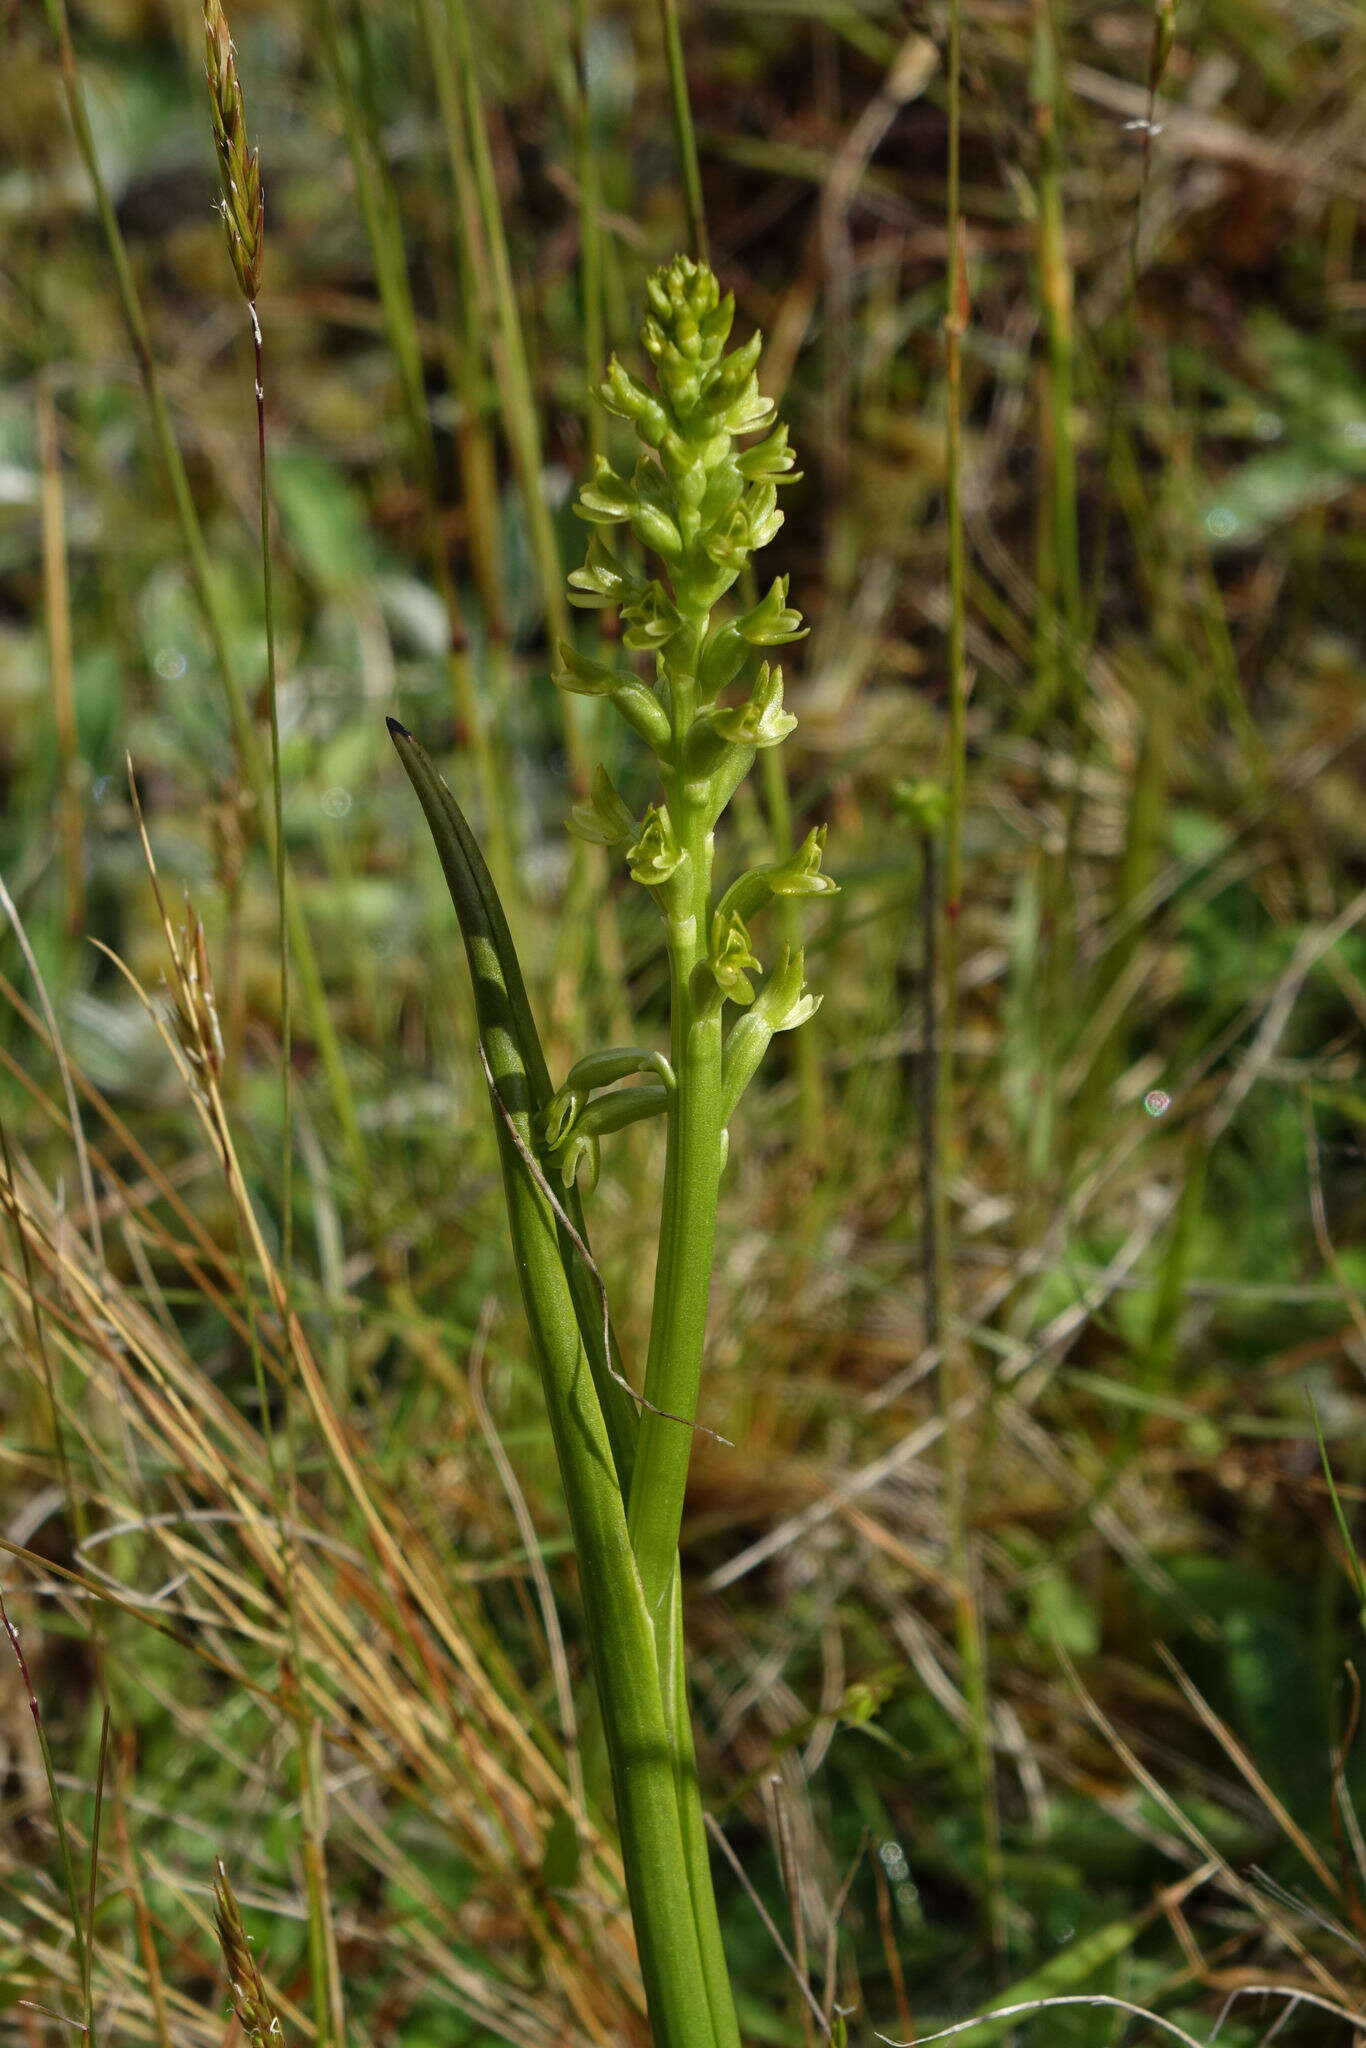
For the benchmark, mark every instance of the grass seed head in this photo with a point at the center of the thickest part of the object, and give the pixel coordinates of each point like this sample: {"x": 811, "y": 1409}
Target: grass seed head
{"x": 255, "y": 2013}
{"x": 239, "y": 167}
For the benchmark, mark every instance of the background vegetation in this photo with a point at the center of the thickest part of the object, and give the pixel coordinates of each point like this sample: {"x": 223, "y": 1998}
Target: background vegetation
{"x": 1147, "y": 1173}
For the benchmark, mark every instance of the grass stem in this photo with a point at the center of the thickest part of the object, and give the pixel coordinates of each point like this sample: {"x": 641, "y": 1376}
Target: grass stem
{"x": 684, "y": 131}
{"x": 57, "y": 605}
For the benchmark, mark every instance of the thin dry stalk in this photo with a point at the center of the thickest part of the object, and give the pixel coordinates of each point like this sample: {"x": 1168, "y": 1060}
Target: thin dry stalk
{"x": 545, "y": 1598}
{"x": 1238, "y": 1755}
{"x": 363, "y": 1672}
{"x": 809, "y": 1998}
{"x": 57, "y": 605}
{"x": 792, "y": 1885}
{"x": 142, "y": 1918}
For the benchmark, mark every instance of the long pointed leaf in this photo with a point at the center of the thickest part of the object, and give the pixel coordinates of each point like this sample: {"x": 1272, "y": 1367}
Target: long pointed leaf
{"x": 484, "y": 924}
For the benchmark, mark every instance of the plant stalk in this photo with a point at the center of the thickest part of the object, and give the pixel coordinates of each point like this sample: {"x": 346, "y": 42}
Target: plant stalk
{"x": 628, "y": 1671}
{"x": 678, "y": 1326}
{"x": 692, "y": 1174}
{"x": 683, "y": 129}
{"x": 57, "y": 606}
{"x": 278, "y": 814}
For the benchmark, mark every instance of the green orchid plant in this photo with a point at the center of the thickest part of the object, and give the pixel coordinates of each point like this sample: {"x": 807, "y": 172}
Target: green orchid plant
{"x": 701, "y": 500}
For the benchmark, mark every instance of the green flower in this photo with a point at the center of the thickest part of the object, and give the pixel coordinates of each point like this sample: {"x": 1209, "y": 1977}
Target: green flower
{"x": 607, "y": 501}
{"x": 602, "y": 580}
{"x": 800, "y": 874}
{"x": 621, "y": 395}
{"x": 651, "y": 618}
{"x": 760, "y": 723}
{"x": 656, "y": 854}
{"x": 730, "y": 957}
{"x": 784, "y": 1003}
{"x": 770, "y": 457}
{"x": 773, "y": 621}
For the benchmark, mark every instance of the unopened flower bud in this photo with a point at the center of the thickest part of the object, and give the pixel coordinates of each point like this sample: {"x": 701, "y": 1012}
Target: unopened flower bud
{"x": 608, "y": 499}
{"x": 621, "y": 394}
{"x": 581, "y": 676}
{"x": 723, "y": 656}
{"x": 655, "y": 528}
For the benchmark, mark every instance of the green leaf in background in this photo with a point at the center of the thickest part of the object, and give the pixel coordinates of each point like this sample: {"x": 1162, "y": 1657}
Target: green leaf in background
{"x": 323, "y": 518}
{"x": 1315, "y": 415}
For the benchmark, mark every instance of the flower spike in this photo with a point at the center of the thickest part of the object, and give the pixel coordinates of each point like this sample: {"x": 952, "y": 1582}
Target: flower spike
{"x": 700, "y": 498}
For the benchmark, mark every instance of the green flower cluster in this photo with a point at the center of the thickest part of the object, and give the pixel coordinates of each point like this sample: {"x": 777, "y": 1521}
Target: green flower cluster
{"x": 701, "y": 499}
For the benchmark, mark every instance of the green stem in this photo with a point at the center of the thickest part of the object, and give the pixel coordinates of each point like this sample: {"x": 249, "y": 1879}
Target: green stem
{"x": 686, "y": 1238}
{"x": 696, "y": 1849}
{"x": 683, "y": 128}
{"x": 627, "y": 1667}
{"x": 678, "y": 1327}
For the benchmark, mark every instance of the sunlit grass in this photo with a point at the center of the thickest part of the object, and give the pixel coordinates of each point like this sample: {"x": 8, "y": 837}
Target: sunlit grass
{"x": 1156, "y": 627}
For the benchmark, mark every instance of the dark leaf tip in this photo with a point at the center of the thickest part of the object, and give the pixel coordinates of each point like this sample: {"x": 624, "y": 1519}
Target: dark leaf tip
{"x": 399, "y": 732}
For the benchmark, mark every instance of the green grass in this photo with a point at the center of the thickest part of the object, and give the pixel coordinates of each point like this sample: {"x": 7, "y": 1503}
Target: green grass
{"x": 1157, "y": 627}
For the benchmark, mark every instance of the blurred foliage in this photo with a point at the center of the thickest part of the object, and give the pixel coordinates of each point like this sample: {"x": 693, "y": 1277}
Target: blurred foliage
{"x": 1161, "y": 902}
